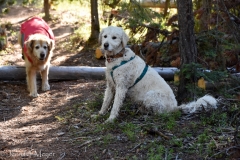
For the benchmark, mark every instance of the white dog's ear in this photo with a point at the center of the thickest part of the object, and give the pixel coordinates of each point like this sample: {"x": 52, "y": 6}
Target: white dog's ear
{"x": 125, "y": 38}
{"x": 100, "y": 37}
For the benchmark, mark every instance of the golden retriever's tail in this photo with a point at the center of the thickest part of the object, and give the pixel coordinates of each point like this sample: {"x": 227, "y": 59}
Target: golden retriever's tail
{"x": 206, "y": 103}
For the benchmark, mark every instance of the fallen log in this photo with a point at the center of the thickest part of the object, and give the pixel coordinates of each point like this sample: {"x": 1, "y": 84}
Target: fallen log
{"x": 73, "y": 72}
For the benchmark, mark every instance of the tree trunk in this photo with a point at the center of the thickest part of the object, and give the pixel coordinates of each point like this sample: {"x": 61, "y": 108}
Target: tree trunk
{"x": 206, "y": 6}
{"x": 187, "y": 46}
{"x": 73, "y": 73}
{"x": 167, "y": 4}
{"x": 95, "y": 27}
{"x": 46, "y": 6}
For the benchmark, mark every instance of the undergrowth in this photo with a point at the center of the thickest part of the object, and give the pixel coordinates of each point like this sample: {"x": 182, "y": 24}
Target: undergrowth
{"x": 206, "y": 135}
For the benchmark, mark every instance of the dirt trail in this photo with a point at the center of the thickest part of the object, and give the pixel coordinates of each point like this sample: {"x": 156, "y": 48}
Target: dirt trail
{"x": 29, "y": 128}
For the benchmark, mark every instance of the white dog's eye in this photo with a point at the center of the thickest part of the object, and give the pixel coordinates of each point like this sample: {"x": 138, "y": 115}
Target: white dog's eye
{"x": 105, "y": 36}
{"x": 36, "y": 47}
{"x": 45, "y": 47}
{"x": 114, "y": 37}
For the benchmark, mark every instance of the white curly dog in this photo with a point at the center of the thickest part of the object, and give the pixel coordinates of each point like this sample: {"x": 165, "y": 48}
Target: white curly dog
{"x": 128, "y": 74}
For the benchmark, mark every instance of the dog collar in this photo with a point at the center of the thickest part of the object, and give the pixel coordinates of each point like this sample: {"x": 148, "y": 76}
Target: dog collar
{"x": 113, "y": 57}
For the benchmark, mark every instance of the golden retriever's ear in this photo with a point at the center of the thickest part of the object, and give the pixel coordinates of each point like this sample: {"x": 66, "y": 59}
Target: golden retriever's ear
{"x": 51, "y": 45}
{"x": 29, "y": 44}
{"x": 100, "y": 37}
{"x": 125, "y": 38}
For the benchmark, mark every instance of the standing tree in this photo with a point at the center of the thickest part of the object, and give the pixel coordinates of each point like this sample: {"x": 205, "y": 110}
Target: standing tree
{"x": 46, "y": 6}
{"x": 187, "y": 47}
{"x": 95, "y": 27}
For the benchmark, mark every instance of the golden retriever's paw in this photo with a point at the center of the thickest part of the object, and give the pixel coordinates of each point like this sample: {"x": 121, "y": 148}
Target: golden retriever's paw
{"x": 46, "y": 87}
{"x": 34, "y": 94}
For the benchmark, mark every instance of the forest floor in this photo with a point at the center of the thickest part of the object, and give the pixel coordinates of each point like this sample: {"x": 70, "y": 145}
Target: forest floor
{"x": 58, "y": 123}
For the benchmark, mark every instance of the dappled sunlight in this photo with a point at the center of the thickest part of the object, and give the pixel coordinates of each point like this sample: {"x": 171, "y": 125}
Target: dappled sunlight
{"x": 36, "y": 127}
{"x": 21, "y": 12}
{"x": 63, "y": 123}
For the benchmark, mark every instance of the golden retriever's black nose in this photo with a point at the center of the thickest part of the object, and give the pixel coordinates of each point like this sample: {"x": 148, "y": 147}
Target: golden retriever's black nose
{"x": 42, "y": 55}
{"x": 106, "y": 45}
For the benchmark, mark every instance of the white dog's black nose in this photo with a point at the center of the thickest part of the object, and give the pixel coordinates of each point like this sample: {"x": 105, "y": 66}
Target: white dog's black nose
{"x": 106, "y": 45}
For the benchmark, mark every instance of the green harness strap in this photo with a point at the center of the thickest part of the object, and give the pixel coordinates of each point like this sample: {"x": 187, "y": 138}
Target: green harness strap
{"x": 141, "y": 76}
{"x": 124, "y": 62}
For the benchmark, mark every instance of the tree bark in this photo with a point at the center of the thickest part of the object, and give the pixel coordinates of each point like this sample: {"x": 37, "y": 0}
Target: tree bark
{"x": 46, "y": 6}
{"x": 204, "y": 20}
{"x": 167, "y": 3}
{"x": 73, "y": 73}
{"x": 95, "y": 27}
{"x": 187, "y": 45}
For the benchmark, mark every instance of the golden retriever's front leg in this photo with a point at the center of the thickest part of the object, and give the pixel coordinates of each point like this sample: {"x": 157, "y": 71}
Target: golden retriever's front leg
{"x": 118, "y": 101}
{"x": 108, "y": 96}
{"x": 44, "y": 74}
{"x": 32, "y": 82}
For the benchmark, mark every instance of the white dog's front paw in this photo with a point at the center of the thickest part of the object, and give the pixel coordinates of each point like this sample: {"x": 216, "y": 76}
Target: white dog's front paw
{"x": 34, "y": 94}
{"x": 110, "y": 119}
{"x": 101, "y": 113}
{"x": 45, "y": 87}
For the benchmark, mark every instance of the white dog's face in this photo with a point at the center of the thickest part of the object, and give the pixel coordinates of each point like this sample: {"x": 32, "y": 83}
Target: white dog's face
{"x": 113, "y": 40}
{"x": 39, "y": 46}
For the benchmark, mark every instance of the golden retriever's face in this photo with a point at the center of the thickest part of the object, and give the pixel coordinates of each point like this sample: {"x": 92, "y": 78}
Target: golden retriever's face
{"x": 39, "y": 46}
{"x": 40, "y": 49}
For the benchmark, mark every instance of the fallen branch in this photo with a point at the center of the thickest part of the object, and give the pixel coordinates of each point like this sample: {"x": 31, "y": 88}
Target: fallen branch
{"x": 72, "y": 72}
{"x": 226, "y": 151}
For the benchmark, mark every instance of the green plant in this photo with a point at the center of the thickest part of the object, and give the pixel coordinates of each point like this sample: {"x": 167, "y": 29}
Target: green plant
{"x": 130, "y": 130}
{"x": 215, "y": 119}
{"x": 203, "y": 138}
{"x": 94, "y": 103}
{"x": 169, "y": 119}
{"x": 154, "y": 154}
{"x": 176, "y": 142}
{"x": 210, "y": 147}
{"x": 157, "y": 151}
{"x": 107, "y": 139}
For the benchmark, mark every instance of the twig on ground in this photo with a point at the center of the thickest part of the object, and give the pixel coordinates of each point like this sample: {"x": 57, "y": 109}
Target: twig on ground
{"x": 62, "y": 156}
{"x": 233, "y": 147}
{"x": 135, "y": 147}
{"x": 154, "y": 131}
{"x": 226, "y": 151}
{"x": 89, "y": 141}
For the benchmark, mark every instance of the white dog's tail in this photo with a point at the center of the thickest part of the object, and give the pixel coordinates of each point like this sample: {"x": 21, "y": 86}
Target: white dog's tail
{"x": 206, "y": 103}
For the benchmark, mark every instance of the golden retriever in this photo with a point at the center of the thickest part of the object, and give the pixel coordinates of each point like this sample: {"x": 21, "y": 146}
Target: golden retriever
{"x": 37, "y": 41}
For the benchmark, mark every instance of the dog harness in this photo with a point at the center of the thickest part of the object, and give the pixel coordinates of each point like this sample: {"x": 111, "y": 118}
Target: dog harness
{"x": 124, "y": 62}
{"x": 33, "y": 26}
